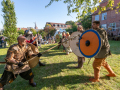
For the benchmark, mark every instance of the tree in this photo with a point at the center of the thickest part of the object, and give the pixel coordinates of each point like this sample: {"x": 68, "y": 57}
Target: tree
{"x": 33, "y": 31}
{"x": 73, "y": 28}
{"x": 49, "y": 30}
{"x": 43, "y": 33}
{"x": 21, "y": 32}
{"x": 87, "y": 21}
{"x": 48, "y": 25}
{"x": 69, "y": 22}
{"x": 82, "y": 7}
{"x": 10, "y": 30}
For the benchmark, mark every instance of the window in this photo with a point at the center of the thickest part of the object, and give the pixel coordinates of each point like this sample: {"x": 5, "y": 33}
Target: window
{"x": 104, "y": 26}
{"x": 59, "y": 25}
{"x": 104, "y": 16}
{"x": 55, "y": 25}
{"x": 96, "y": 17}
{"x": 113, "y": 26}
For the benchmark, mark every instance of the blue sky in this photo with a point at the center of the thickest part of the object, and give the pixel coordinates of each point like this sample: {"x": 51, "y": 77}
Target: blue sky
{"x": 30, "y": 11}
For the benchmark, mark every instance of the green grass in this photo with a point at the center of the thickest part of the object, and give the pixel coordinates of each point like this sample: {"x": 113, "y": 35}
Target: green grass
{"x": 60, "y": 74}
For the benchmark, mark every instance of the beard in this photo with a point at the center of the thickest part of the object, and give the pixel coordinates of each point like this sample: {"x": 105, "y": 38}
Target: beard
{"x": 23, "y": 43}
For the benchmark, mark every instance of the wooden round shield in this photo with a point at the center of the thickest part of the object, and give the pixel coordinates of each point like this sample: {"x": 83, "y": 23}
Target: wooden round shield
{"x": 33, "y": 62}
{"x": 74, "y": 43}
{"x": 66, "y": 42}
{"x": 90, "y": 43}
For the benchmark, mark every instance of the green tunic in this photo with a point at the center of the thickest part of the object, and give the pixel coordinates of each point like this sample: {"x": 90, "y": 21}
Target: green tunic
{"x": 105, "y": 48}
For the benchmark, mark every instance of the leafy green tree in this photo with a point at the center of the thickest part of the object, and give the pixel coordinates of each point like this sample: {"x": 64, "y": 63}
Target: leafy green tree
{"x": 73, "y": 28}
{"x": 34, "y": 31}
{"x": 87, "y": 21}
{"x": 82, "y": 7}
{"x": 69, "y": 22}
{"x": 21, "y": 32}
{"x": 10, "y": 30}
{"x": 48, "y": 25}
{"x": 43, "y": 33}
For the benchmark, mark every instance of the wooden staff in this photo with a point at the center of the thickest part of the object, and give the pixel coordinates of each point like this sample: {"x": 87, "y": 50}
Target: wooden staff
{"x": 44, "y": 51}
{"x": 50, "y": 49}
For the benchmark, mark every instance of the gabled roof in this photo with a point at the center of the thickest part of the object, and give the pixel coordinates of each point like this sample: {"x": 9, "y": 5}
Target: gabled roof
{"x": 52, "y": 23}
{"x": 22, "y": 29}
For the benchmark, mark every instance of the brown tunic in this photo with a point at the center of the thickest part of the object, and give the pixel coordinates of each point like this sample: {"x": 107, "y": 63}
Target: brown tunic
{"x": 17, "y": 53}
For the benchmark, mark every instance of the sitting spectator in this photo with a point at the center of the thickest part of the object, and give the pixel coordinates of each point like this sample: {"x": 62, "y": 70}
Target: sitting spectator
{"x": 3, "y": 41}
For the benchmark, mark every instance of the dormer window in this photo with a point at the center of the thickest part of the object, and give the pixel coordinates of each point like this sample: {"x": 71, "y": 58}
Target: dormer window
{"x": 59, "y": 25}
{"x": 55, "y": 25}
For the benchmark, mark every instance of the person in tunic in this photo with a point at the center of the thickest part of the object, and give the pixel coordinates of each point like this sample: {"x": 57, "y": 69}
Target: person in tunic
{"x": 68, "y": 49}
{"x": 81, "y": 60}
{"x": 16, "y": 56}
{"x": 102, "y": 55}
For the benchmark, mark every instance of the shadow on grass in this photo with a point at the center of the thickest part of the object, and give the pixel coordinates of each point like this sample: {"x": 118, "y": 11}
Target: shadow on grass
{"x": 49, "y": 54}
{"x": 52, "y": 69}
{"x": 62, "y": 81}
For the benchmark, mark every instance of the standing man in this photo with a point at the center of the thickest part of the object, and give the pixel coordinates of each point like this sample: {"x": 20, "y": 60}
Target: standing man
{"x": 16, "y": 56}
{"x": 30, "y": 38}
{"x": 102, "y": 55}
{"x": 36, "y": 41}
{"x": 81, "y": 60}
{"x": 68, "y": 49}
{"x": 63, "y": 36}
{"x": 36, "y": 44}
{"x": 40, "y": 41}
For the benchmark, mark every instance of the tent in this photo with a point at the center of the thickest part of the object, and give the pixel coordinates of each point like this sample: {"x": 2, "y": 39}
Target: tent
{"x": 61, "y": 30}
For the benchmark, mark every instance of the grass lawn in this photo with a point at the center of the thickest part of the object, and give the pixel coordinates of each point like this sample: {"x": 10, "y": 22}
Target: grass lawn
{"x": 60, "y": 74}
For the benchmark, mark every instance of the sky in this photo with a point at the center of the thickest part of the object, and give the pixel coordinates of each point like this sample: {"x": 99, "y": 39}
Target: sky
{"x": 30, "y": 11}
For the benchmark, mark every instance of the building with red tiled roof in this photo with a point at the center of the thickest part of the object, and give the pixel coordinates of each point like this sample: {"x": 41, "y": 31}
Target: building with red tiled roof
{"x": 22, "y": 29}
{"x": 108, "y": 19}
{"x": 58, "y": 26}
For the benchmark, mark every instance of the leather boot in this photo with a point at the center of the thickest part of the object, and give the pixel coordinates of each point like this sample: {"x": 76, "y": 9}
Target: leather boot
{"x": 1, "y": 86}
{"x": 111, "y": 73}
{"x": 32, "y": 83}
{"x": 81, "y": 60}
{"x": 41, "y": 64}
{"x": 96, "y": 76}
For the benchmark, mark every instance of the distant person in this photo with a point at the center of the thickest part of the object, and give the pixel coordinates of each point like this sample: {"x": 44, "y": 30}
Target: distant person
{"x": 68, "y": 49}
{"x": 40, "y": 41}
{"x": 63, "y": 36}
{"x": 3, "y": 41}
{"x": 52, "y": 40}
{"x": 36, "y": 41}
